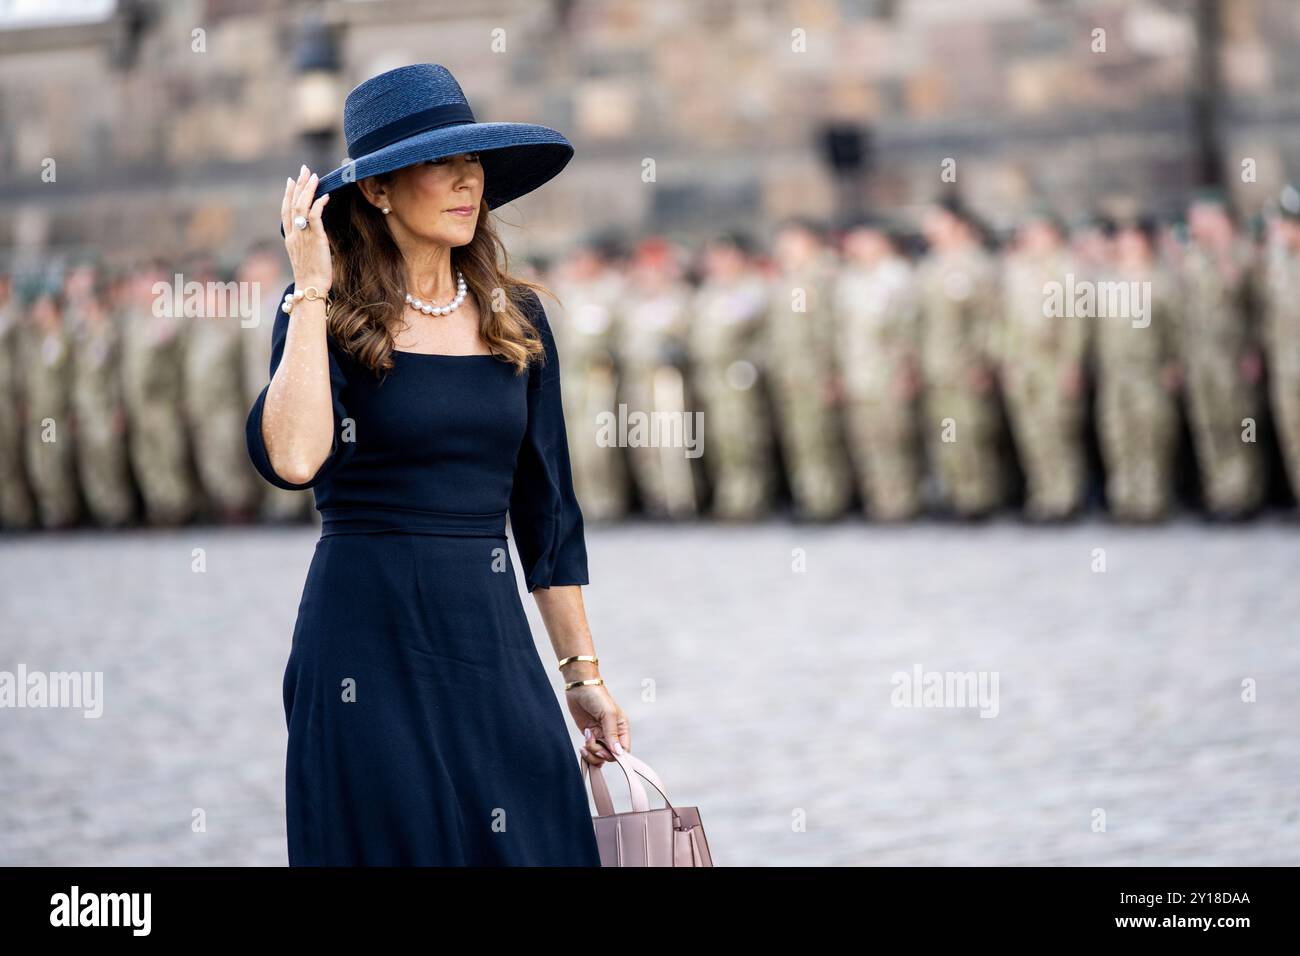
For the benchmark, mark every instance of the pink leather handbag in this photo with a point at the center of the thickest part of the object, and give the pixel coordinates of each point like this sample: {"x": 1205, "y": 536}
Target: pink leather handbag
{"x": 665, "y": 836}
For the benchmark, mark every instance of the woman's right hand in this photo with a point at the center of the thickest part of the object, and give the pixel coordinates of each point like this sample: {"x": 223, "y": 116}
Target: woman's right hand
{"x": 309, "y": 249}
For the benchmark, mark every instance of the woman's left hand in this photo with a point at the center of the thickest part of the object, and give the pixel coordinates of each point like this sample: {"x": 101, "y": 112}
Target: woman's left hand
{"x": 597, "y": 714}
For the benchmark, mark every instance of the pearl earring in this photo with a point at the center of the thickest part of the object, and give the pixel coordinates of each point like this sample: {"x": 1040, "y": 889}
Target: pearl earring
{"x": 387, "y": 210}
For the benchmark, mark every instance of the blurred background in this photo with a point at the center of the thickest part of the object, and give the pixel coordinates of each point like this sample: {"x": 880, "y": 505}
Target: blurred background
{"x": 899, "y": 338}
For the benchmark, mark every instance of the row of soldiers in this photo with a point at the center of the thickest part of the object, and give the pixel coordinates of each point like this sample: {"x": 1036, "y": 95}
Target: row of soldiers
{"x": 840, "y": 373}
{"x": 117, "y": 409}
{"x": 857, "y": 375}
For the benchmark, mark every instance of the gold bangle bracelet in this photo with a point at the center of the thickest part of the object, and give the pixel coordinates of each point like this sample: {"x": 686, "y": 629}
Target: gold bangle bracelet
{"x": 583, "y": 683}
{"x": 307, "y": 294}
{"x": 579, "y": 657}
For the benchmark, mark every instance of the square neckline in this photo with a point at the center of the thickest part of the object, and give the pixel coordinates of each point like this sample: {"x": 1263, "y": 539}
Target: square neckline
{"x": 446, "y": 354}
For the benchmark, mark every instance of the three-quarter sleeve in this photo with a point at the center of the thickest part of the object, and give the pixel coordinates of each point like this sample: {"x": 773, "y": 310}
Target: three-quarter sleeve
{"x": 544, "y": 512}
{"x": 341, "y": 451}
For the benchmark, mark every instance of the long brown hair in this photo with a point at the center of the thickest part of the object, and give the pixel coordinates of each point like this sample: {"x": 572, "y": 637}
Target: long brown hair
{"x": 368, "y": 293}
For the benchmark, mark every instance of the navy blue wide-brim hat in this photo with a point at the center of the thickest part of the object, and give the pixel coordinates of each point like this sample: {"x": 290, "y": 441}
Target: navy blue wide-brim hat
{"x": 418, "y": 112}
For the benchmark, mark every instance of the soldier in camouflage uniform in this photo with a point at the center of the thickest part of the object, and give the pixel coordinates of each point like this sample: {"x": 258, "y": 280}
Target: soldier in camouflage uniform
{"x": 1041, "y": 346}
{"x": 800, "y": 358}
{"x": 651, "y": 352}
{"x": 51, "y": 444}
{"x": 877, "y": 324}
{"x": 153, "y": 365}
{"x": 16, "y": 507}
{"x": 590, "y": 291}
{"x": 1282, "y": 332}
{"x": 1221, "y": 296}
{"x": 959, "y": 316}
{"x": 262, "y": 271}
{"x": 1091, "y": 246}
{"x": 724, "y": 344}
{"x": 1137, "y": 372}
{"x": 214, "y": 400}
{"x": 97, "y": 400}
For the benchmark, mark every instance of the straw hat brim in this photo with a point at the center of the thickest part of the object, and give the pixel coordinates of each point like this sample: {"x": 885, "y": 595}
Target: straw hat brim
{"x": 516, "y": 158}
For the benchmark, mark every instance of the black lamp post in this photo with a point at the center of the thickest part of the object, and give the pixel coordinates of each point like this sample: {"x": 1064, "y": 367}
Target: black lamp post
{"x": 1207, "y": 96}
{"x": 846, "y": 147}
{"x": 317, "y": 93}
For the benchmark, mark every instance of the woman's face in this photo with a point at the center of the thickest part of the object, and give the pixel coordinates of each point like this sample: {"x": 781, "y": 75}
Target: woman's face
{"x": 437, "y": 200}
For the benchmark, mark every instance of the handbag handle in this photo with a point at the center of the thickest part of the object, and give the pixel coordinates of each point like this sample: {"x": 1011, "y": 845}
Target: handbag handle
{"x": 631, "y": 767}
{"x": 600, "y": 790}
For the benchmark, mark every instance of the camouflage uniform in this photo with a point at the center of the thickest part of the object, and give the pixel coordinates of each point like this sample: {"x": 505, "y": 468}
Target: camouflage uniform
{"x": 214, "y": 407}
{"x": 723, "y": 344}
{"x": 1037, "y": 354}
{"x": 800, "y": 357}
{"x": 877, "y": 323}
{"x": 584, "y": 338}
{"x": 153, "y": 362}
{"x": 1137, "y": 415}
{"x": 1217, "y": 331}
{"x": 959, "y": 305}
{"x": 101, "y": 418}
{"x": 1282, "y": 342}
{"x": 651, "y": 336}
{"x": 51, "y": 444}
{"x": 16, "y": 508}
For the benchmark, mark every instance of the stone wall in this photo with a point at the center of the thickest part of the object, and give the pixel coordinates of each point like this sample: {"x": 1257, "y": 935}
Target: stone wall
{"x": 180, "y": 140}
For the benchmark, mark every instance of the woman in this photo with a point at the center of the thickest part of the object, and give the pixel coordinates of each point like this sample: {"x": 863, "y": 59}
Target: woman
{"x": 415, "y": 386}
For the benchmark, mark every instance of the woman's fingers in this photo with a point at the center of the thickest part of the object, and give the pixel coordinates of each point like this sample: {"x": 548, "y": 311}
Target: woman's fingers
{"x": 297, "y": 187}
{"x": 286, "y": 204}
{"x": 306, "y": 193}
{"x": 317, "y": 209}
{"x": 303, "y": 175}
{"x": 612, "y": 724}
{"x": 300, "y": 200}
{"x": 309, "y": 192}
{"x": 625, "y": 731}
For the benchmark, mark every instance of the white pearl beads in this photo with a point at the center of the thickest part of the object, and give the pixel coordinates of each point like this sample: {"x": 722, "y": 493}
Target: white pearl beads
{"x": 429, "y": 309}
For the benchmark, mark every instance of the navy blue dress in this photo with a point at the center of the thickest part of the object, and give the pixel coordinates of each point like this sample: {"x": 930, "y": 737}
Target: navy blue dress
{"x": 423, "y": 726}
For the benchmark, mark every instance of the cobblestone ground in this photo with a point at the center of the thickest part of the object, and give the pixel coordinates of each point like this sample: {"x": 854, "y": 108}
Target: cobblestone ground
{"x": 760, "y": 692}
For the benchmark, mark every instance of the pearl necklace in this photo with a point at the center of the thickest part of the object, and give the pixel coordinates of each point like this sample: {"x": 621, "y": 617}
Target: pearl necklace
{"x": 428, "y": 309}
